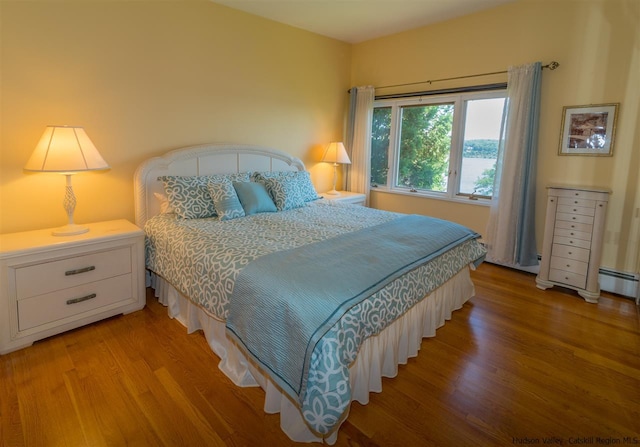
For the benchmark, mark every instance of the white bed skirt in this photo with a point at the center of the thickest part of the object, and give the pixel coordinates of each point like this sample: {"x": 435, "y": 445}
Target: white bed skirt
{"x": 379, "y": 356}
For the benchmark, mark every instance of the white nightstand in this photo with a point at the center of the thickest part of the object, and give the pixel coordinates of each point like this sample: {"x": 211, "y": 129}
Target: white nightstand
{"x": 50, "y": 284}
{"x": 354, "y": 198}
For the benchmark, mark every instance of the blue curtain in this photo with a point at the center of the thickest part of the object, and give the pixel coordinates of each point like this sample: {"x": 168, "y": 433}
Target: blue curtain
{"x": 526, "y": 252}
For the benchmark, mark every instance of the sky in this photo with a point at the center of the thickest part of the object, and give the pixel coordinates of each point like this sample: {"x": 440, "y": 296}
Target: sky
{"x": 483, "y": 119}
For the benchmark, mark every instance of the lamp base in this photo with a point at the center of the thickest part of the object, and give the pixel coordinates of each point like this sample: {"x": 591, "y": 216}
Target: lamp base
{"x": 333, "y": 192}
{"x": 70, "y": 230}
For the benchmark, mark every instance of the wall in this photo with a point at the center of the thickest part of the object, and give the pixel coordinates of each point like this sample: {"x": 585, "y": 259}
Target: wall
{"x": 147, "y": 77}
{"x": 596, "y": 42}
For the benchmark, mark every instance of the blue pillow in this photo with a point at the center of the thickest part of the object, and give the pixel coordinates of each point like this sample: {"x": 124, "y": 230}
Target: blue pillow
{"x": 254, "y": 198}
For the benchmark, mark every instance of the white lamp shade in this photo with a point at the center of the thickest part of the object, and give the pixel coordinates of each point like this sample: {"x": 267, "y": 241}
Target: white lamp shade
{"x": 65, "y": 149}
{"x": 336, "y": 153}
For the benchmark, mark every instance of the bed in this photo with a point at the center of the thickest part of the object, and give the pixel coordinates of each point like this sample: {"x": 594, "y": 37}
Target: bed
{"x": 312, "y": 300}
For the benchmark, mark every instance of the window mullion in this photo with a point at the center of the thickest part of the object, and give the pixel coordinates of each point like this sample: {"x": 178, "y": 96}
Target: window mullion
{"x": 455, "y": 160}
{"x": 394, "y": 149}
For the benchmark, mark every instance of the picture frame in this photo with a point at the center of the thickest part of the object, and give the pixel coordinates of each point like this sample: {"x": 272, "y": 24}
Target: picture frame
{"x": 588, "y": 129}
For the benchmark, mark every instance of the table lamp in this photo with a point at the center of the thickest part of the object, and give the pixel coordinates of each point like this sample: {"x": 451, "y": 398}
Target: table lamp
{"x": 66, "y": 150}
{"x": 336, "y": 154}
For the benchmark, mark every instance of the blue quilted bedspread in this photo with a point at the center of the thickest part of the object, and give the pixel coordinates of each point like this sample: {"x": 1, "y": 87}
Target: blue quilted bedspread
{"x": 295, "y": 296}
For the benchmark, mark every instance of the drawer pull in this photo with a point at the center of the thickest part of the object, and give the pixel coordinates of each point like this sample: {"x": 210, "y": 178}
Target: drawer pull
{"x": 81, "y": 299}
{"x": 77, "y": 271}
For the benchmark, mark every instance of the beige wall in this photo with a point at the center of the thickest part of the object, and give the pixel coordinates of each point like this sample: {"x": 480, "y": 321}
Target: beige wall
{"x": 596, "y": 42}
{"x": 147, "y": 77}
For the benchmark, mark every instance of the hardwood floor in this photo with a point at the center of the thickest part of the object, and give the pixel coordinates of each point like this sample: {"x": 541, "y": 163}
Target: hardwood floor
{"x": 515, "y": 366}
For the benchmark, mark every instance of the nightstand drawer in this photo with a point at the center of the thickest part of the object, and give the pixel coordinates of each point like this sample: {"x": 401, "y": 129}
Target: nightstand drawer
{"x": 51, "y": 276}
{"x": 51, "y": 307}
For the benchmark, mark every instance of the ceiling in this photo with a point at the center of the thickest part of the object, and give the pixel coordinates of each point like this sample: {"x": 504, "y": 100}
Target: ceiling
{"x": 355, "y": 21}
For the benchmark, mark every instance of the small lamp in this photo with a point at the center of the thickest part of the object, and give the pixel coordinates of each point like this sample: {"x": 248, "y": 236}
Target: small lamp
{"x": 336, "y": 154}
{"x": 66, "y": 150}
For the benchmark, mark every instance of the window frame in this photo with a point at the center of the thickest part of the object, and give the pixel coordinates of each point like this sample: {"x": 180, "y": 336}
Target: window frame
{"x": 459, "y": 100}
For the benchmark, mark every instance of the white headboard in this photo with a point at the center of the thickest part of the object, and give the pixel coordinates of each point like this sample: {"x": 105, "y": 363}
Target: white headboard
{"x": 205, "y": 159}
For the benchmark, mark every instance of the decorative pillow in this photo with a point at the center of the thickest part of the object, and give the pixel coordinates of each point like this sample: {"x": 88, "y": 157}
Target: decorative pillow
{"x": 189, "y": 196}
{"x": 285, "y": 193}
{"x": 225, "y": 199}
{"x": 303, "y": 178}
{"x": 254, "y": 198}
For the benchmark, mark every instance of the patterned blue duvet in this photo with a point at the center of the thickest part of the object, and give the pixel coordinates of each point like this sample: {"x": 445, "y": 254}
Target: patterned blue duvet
{"x": 202, "y": 258}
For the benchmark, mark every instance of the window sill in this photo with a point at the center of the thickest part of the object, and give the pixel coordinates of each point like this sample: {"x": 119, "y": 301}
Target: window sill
{"x": 462, "y": 199}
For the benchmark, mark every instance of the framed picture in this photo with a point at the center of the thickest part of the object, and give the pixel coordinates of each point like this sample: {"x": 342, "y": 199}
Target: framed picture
{"x": 588, "y": 130}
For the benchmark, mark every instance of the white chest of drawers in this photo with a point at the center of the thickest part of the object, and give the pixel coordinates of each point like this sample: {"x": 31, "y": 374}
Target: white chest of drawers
{"x": 573, "y": 235}
{"x": 50, "y": 284}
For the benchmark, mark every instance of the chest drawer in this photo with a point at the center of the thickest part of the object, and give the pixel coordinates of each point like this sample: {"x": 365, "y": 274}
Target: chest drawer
{"x": 60, "y": 304}
{"x": 70, "y": 272}
{"x": 576, "y": 202}
{"x": 578, "y": 218}
{"x": 571, "y": 279}
{"x": 574, "y": 226}
{"x": 572, "y": 242}
{"x": 572, "y": 209}
{"x": 581, "y": 194}
{"x": 566, "y": 251}
{"x": 572, "y": 234}
{"x": 569, "y": 265}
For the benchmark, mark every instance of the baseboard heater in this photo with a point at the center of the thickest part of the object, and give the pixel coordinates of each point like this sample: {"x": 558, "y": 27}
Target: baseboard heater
{"x": 613, "y": 281}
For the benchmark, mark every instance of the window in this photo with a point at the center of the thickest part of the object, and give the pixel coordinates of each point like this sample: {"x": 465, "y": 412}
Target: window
{"x": 444, "y": 146}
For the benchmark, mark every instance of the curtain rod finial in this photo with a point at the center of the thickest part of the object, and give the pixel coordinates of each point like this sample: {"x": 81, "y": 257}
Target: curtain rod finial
{"x": 553, "y": 65}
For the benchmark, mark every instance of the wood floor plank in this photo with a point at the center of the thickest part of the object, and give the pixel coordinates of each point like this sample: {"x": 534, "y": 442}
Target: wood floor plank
{"x": 515, "y": 362}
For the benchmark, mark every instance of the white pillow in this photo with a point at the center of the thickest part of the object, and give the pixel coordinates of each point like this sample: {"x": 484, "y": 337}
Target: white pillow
{"x": 165, "y": 208}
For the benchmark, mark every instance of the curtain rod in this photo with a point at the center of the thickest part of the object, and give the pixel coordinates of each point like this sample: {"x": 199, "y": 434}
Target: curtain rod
{"x": 551, "y": 66}
{"x": 473, "y": 88}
